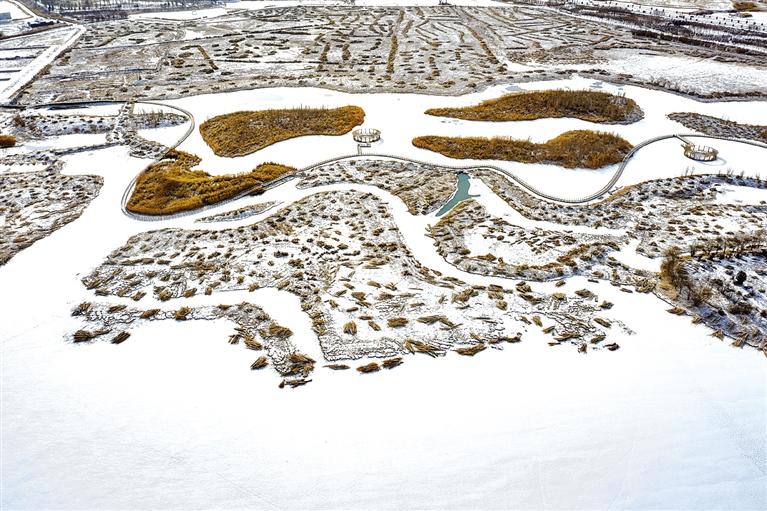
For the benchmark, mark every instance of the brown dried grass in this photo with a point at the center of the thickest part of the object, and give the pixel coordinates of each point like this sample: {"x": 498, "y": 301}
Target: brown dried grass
{"x": 241, "y": 133}
{"x": 579, "y": 148}
{"x": 170, "y": 186}
{"x": 593, "y": 106}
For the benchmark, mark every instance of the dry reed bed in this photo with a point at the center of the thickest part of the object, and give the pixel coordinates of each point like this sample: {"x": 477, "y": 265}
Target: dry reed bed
{"x": 343, "y": 256}
{"x": 661, "y": 213}
{"x": 516, "y": 252}
{"x": 709, "y": 125}
{"x": 588, "y": 105}
{"x": 35, "y": 204}
{"x": 722, "y": 282}
{"x": 423, "y": 188}
{"x": 255, "y": 330}
{"x": 335, "y": 47}
{"x": 242, "y": 133}
{"x": 171, "y": 186}
{"x": 580, "y": 148}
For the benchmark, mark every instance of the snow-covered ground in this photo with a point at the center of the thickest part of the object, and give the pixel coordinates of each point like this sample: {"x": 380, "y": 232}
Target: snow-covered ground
{"x": 687, "y": 73}
{"x": 16, "y": 10}
{"x": 267, "y": 4}
{"x": 741, "y": 195}
{"x": 192, "y": 14}
{"x": 172, "y": 418}
{"x": 68, "y": 36}
{"x": 400, "y": 117}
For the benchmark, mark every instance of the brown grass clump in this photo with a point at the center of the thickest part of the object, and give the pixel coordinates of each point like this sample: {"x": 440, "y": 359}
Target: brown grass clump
{"x": 605, "y": 323}
{"x": 430, "y": 320}
{"x": 391, "y": 363}
{"x": 421, "y": 347}
{"x": 293, "y": 383}
{"x": 120, "y": 337}
{"x": 593, "y": 106}
{"x": 337, "y": 367}
{"x": 241, "y": 133}
{"x": 87, "y": 335}
{"x": 260, "y": 363}
{"x": 182, "y": 313}
{"x": 579, "y": 148}
{"x": 396, "y": 322}
{"x": 252, "y": 344}
{"x": 170, "y": 186}
{"x": 470, "y": 351}
{"x": 369, "y": 368}
{"x": 276, "y": 330}
{"x": 350, "y": 328}
{"x": 81, "y": 309}
{"x": 7, "y": 141}
{"x": 300, "y": 364}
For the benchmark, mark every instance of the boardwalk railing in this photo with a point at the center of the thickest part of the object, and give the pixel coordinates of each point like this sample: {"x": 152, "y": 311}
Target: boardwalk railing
{"x": 604, "y": 190}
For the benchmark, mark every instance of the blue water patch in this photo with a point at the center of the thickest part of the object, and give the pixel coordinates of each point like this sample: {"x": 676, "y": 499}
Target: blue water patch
{"x": 461, "y": 194}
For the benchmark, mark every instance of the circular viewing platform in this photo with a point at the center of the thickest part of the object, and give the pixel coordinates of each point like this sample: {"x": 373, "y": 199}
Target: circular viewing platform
{"x": 700, "y": 152}
{"x": 366, "y": 135}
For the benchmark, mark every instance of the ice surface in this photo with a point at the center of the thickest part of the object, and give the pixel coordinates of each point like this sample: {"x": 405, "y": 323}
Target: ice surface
{"x": 173, "y": 419}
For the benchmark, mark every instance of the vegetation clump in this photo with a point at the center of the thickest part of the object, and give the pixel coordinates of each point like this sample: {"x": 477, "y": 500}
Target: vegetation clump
{"x": 391, "y": 363}
{"x": 171, "y": 186}
{"x": 717, "y": 127}
{"x": 579, "y": 148}
{"x": 369, "y": 368}
{"x": 260, "y": 363}
{"x": 241, "y": 133}
{"x": 472, "y": 350}
{"x": 593, "y": 106}
{"x": 7, "y": 141}
{"x": 745, "y": 6}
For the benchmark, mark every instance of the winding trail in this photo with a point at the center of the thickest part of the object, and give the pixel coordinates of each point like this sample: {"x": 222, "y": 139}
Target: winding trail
{"x": 604, "y": 190}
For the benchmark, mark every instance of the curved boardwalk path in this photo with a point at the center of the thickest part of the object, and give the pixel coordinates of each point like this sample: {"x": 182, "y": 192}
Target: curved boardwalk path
{"x": 508, "y": 174}
{"x": 299, "y": 173}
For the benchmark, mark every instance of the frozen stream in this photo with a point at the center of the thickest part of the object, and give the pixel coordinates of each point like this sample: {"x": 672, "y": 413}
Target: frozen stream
{"x": 174, "y": 419}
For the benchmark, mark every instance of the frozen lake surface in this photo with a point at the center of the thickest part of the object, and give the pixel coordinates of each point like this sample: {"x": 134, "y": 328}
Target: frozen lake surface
{"x": 173, "y": 418}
